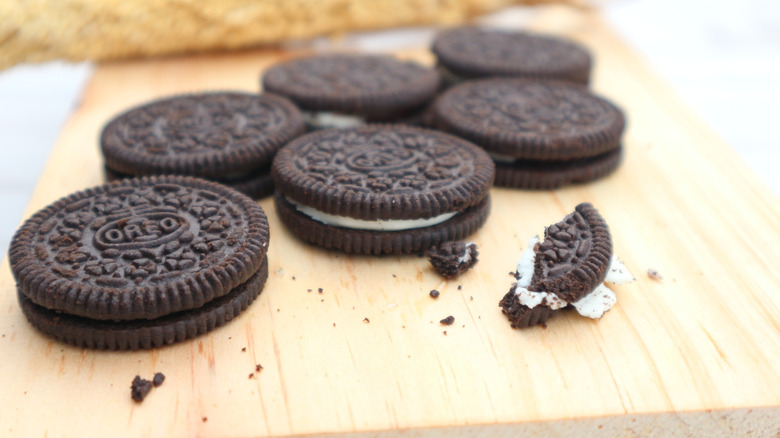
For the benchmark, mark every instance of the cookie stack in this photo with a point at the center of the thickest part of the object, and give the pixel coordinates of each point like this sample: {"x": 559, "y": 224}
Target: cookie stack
{"x": 541, "y": 134}
{"x": 345, "y": 90}
{"x": 228, "y": 137}
{"x": 141, "y": 262}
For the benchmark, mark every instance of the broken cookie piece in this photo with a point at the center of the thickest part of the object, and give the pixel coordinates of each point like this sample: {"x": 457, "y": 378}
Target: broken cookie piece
{"x": 569, "y": 267}
{"x": 451, "y": 259}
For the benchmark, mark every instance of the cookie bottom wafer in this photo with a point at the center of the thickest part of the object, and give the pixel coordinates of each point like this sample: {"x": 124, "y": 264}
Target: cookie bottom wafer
{"x": 256, "y": 186}
{"x": 148, "y": 333}
{"x": 380, "y": 242}
{"x": 546, "y": 175}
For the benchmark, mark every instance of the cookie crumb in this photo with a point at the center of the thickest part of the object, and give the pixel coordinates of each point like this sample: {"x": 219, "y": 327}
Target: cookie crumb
{"x": 471, "y": 298}
{"x": 445, "y": 332}
{"x": 258, "y": 368}
{"x": 366, "y": 320}
{"x": 205, "y": 419}
{"x": 654, "y": 274}
{"x": 243, "y": 349}
{"x": 140, "y": 388}
{"x": 158, "y": 379}
{"x": 251, "y": 375}
{"x": 448, "y": 320}
{"x": 451, "y": 259}
{"x": 434, "y": 293}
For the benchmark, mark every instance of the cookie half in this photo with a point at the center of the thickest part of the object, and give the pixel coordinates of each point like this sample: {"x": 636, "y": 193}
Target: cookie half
{"x": 543, "y": 126}
{"x": 470, "y": 52}
{"x": 223, "y": 136}
{"x": 568, "y": 267}
{"x": 343, "y": 90}
{"x": 145, "y": 333}
{"x": 139, "y": 248}
{"x": 380, "y": 189}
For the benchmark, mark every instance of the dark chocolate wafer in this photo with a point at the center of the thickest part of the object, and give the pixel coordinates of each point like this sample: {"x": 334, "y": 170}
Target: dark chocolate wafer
{"x": 225, "y": 135}
{"x": 374, "y": 87}
{"x": 532, "y": 120}
{"x": 257, "y": 185}
{"x": 145, "y": 333}
{"x": 548, "y": 175}
{"x": 471, "y": 52}
{"x": 139, "y": 248}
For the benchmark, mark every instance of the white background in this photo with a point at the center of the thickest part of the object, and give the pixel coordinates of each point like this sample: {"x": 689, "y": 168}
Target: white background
{"x": 723, "y": 57}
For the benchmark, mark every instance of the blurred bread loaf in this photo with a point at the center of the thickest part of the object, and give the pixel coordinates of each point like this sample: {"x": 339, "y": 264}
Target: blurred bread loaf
{"x": 41, "y": 30}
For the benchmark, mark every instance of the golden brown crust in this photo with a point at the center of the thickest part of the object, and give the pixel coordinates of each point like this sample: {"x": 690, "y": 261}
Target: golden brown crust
{"x": 76, "y": 30}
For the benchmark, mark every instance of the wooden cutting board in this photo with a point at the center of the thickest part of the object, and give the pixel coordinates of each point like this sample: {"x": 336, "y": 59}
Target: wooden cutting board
{"x": 696, "y": 353}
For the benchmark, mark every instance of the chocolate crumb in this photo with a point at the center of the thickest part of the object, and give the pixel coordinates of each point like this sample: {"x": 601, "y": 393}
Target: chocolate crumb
{"x": 445, "y": 332}
{"x": 366, "y": 320}
{"x": 434, "y": 293}
{"x": 654, "y": 274}
{"x": 460, "y": 287}
{"x": 243, "y": 349}
{"x": 451, "y": 259}
{"x": 158, "y": 379}
{"x": 334, "y": 324}
{"x": 258, "y": 368}
{"x": 251, "y": 375}
{"x": 140, "y": 388}
{"x": 471, "y": 298}
{"x": 448, "y": 320}
{"x": 308, "y": 290}
{"x": 319, "y": 290}
{"x": 395, "y": 276}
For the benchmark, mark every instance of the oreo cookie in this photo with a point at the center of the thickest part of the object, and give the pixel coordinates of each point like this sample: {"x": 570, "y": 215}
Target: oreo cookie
{"x": 568, "y": 268}
{"x": 228, "y": 137}
{"x": 141, "y": 262}
{"x": 382, "y": 189}
{"x": 466, "y": 53}
{"x": 343, "y": 90}
{"x": 542, "y": 134}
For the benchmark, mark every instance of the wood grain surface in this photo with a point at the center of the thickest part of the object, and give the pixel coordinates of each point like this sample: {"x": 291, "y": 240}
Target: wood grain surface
{"x": 694, "y": 354}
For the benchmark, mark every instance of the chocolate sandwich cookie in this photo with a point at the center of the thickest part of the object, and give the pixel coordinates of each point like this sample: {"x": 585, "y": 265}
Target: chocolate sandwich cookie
{"x": 470, "y": 52}
{"x": 228, "y": 137}
{"x": 139, "y": 249}
{"x": 380, "y": 189}
{"x": 542, "y": 134}
{"x": 336, "y": 91}
{"x": 568, "y": 267}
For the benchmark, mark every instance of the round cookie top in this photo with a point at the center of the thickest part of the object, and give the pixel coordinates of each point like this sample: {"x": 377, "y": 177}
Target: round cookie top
{"x": 473, "y": 52}
{"x": 375, "y": 87}
{"x": 209, "y": 134}
{"x": 139, "y": 248}
{"x": 544, "y": 120}
{"x": 383, "y": 172}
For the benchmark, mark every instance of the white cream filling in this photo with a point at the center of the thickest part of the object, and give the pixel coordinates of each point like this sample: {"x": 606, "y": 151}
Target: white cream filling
{"x": 326, "y": 119}
{"x": 593, "y": 305}
{"x": 501, "y": 158}
{"x": 466, "y": 257}
{"x": 375, "y": 225}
